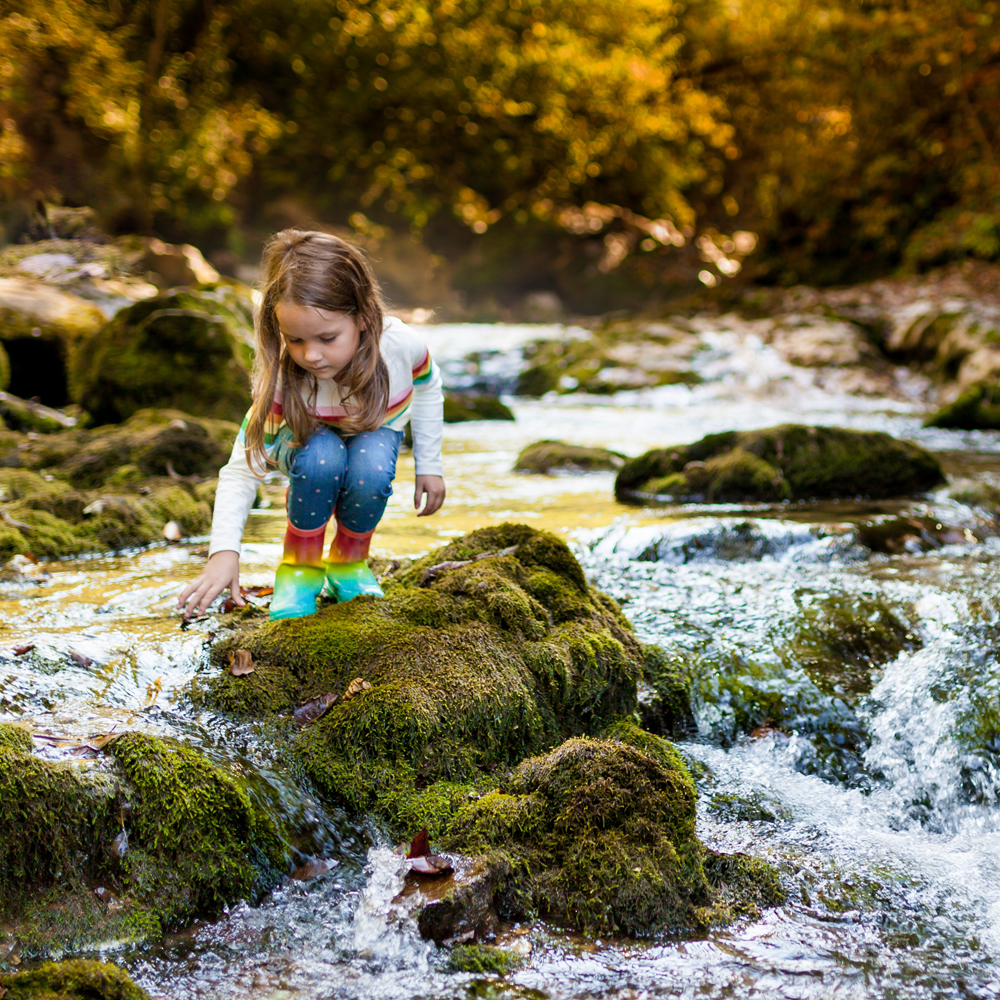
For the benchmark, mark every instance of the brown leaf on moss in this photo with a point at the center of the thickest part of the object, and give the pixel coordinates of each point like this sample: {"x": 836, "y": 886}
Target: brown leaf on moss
{"x": 257, "y": 591}
{"x": 356, "y": 687}
{"x": 240, "y": 662}
{"x": 421, "y": 845}
{"x": 314, "y": 709}
{"x": 81, "y": 659}
{"x": 21, "y": 650}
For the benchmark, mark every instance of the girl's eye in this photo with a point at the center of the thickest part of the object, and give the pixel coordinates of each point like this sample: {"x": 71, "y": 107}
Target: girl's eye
{"x": 328, "y": 340}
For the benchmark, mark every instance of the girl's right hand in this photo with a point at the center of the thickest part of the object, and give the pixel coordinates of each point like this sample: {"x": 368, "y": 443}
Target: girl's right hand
{"x": 221, "y": 571}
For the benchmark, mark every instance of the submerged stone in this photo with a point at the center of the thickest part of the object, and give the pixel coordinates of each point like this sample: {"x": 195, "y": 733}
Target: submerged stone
{"x": 78, "y": 979}
{"x": 459, "y": 407}
{"x": 790, "y": 462}
{"x": 550, "y": 456}
{"x": 194, "y": 842}
{"x": 188, "y": 350}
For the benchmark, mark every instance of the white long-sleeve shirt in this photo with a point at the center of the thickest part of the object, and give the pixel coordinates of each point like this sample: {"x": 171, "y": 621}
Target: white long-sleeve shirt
{"x": 415, "y": 397}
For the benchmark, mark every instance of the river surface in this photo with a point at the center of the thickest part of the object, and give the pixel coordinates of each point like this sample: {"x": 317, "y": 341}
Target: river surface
{"x": 879, "y": 803}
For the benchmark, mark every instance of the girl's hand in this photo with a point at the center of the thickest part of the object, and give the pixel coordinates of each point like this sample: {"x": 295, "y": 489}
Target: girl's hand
{"x": 433, "y": 488}
{"x": 221, "y": 571}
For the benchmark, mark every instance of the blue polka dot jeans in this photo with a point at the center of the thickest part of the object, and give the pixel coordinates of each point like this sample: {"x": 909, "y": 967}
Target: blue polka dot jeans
{"x": 347, "y": 476}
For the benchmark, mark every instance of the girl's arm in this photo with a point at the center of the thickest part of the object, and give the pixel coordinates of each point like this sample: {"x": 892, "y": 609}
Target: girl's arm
{"x": 234, "y": 497}
{"x": 427, "y": 425}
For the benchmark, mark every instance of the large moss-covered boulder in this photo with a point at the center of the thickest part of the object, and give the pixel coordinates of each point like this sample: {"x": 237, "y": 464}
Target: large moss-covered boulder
{"x": 490, "y": 649}
{"x": 194, "y": 841}
{"x": 976, "y": 409}
{"x": 600, "y": 835}
{"x": 187, "y": 349}
{"x": 78, "y": 979}
{"x": 790, "y": 462}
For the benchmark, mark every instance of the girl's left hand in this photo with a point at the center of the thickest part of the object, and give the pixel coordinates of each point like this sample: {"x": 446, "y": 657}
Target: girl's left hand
{"x": 433, "y": 488}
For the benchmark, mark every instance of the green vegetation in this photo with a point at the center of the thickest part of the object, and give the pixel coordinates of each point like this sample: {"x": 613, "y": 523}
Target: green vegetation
{"x": 548, "y": 456}
{"x": 74, "y": 980}
{"x": 791, "y": 462}
{"x": 483, "y": 959}
{"x": 195, "y": 842}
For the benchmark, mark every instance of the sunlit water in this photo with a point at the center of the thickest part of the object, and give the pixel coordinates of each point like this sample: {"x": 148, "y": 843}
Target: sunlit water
{"x": 881, "y": 812}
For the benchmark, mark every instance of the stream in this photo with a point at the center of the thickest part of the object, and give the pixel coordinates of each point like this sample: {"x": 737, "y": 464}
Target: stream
{"x": 879, "y": 803}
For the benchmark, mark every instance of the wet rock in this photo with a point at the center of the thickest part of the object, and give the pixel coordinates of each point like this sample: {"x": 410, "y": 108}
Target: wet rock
{"x": 790, "y": 462}
{"x": 484, "y": 960}
{"x": 29, "y": 308}
{"x": 755, "y": 808}
{"x": 665, "y": 695}
{"x": 457, "y": 907}
{"x": 495, "y": 658}
{"x": 77, "y": 979}
{"x": 171, "y": 265}
{"x": 550, "y": 456}
{"x": 459, "y": 407}
{"x": 196, "y": 842}
{"x": 601, "y": 836}
{"x": 188, "y": 350}
{"x": 975, "y": 409}
{"x": 616, "y": 357}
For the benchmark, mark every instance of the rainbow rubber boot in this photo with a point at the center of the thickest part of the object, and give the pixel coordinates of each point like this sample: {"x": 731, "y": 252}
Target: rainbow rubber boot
{"x": 299, "y": 578}
{"x": 347, "y": 572}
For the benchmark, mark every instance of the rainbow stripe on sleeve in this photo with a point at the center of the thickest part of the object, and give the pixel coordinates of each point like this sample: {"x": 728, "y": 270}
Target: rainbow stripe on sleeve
{"x": 422, "y": 372}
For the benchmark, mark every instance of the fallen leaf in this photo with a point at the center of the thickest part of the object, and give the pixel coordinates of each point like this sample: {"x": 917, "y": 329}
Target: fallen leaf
{"x": 81, "y": 659}
{"x": 313, "y": 868}
{"x": 314, "y": 709}
{"x": 356, "y": 687}
{"x": 172, "y": 531}
{"x": 421, "y": 845}
{"x": 119, "y": 845}
{"x": 228, "y": 606}
{"x": 433, "y": 864}
{"x": 257, "y": 591}
{"x": 240, "y": 662}
{"x": 21, "y": 650}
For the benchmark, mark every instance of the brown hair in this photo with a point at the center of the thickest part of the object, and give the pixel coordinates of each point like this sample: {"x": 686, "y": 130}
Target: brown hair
{"x": 325, "y": 272}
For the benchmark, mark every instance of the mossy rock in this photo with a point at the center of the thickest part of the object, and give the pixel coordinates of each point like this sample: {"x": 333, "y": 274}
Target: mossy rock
{"x": 790, "y": 462}
{"x": 459, "y": 407}
{"x": 196, "y": 842}
{"x": 600, "y": 836}
{"x": 976, "y": 409}
{"x": 502, "y": 656}
{"x": 186, "y": 350}
{"x": 550, "y": 456}
{"x": 483, "y": 959}
{"x": 77, "y": 979}
{"x": 665, "y": 695}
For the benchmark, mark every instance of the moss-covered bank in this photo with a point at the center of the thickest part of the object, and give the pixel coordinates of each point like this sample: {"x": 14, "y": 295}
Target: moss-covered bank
{"x": 193, "y": 842}
{"x": 82, "y": 491}
{"x": 73, "y": 980}
{"x": 790, "y": 462}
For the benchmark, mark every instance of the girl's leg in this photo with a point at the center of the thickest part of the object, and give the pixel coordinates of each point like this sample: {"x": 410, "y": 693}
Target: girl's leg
{"x": 316, "y": 473}
{"x": 371, "y": 468}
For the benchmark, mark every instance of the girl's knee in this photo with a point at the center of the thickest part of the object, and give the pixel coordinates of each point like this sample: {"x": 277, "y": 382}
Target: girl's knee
{"x": 323, "y": 457}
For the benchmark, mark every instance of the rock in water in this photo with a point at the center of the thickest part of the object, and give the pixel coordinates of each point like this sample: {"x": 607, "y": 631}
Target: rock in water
{"x": 196, "y": 842}
{"x": 459, "y": 407}
{"x": 188, "y": 349}
{"x": 74, "y": 980}
{"x": 790, "y": 462}
{"x": 976, "y": 409}
{"x": 552, "y": 456}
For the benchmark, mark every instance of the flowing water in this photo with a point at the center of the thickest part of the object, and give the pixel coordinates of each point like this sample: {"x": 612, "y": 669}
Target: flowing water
{"x": 874, "y": 791}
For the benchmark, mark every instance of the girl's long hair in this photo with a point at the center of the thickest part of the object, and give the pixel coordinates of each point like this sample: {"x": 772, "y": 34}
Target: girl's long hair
{"x": 325, "y": 272}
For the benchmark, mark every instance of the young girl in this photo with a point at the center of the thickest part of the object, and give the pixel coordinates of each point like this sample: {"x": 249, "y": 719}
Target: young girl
{"x": 334, "y": 384}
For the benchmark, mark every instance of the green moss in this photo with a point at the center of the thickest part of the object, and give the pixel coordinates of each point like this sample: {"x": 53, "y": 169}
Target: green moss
{"x": 665, "y": 698}
{"x": 74, "y": 980}
{"x": 547, "y": 456}
{"x": 755, "y": 808}
{"x": 493, "y": 660}
{"x": 483, "y": 959}
{"x": 977, "y": 408}
{"x": 600, "y": 835}
{"x": 787, "y": 462}
{"x": 459, "y": 407}
{"x": 185, "y": 350}
{"x": 195, "y": 842}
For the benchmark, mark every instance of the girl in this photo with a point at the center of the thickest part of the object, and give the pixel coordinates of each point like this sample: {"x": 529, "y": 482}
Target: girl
{"x": 334, "y": 384}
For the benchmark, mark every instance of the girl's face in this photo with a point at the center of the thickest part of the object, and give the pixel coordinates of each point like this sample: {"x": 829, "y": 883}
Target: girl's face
{"x": 320, "y": 341}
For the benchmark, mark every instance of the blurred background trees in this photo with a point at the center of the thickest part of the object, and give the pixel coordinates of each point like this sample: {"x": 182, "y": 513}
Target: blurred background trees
{"x": 528, "y": 141}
